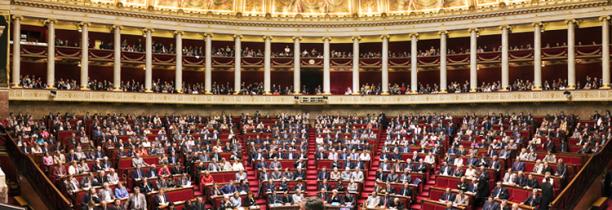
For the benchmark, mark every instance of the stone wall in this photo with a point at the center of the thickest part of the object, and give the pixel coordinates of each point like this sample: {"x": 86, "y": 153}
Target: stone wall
{"x": 583, "y": 109}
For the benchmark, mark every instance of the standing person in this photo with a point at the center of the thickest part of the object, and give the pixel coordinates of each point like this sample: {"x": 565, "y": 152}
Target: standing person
{"x": 547, "y": 193}
{"x": 137, "y": 201}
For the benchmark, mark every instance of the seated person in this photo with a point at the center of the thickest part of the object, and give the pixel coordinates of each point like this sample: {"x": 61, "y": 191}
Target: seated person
{"x": 534, "y": 199}
{"x": 447, "y": 196}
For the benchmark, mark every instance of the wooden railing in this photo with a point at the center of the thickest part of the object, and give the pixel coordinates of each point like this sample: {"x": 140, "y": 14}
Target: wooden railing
{"x": 43, "y": 186}
{"x": 595, "y": 165}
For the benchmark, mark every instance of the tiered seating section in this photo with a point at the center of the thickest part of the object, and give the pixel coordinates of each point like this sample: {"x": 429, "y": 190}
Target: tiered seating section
{"x": 432, "y": 161}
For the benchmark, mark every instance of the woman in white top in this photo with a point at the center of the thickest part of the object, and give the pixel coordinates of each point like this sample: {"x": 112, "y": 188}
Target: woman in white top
{"x": 430, "y": 159}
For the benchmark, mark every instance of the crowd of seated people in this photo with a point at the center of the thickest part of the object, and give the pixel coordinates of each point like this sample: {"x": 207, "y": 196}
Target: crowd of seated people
{"x": 372, "y": 89}
{"x": 490, "y": 160}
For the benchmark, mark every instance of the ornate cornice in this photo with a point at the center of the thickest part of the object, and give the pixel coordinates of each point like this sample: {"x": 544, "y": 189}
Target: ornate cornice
{"x": 314, "y": 22}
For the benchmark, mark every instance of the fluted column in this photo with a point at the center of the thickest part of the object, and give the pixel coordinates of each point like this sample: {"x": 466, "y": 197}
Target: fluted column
{"x": 148, "y": 60}
{"x": 413, "y": 63}
{"x": 443, "y": 51}
{"x": 473, "y": 59}
{"x": 237, "y": 62}
{"x": 356, "y": 40}
{"x": 208, "y": 64}
{"x": 385, "y": 65}
{"x": 16, "y": 51}
{"x": 605, "y": 52}
{"x": 117, "y": 58}
{"x": 571, "y": 54}
{"x": 50, "y": 53}
{"x": 296, "y": 66}
{"x": 178, "y": 77}
{"x": 537, "y": 56}
{"x": 267, "y": 64}
{"x": 505, "y": 65}
{"x": 326, "y": 66}
{"x": 84, "y": 56}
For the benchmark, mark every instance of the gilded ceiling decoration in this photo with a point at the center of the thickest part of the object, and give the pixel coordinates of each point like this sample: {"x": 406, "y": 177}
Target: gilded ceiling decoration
{"x": 309, "y": 8}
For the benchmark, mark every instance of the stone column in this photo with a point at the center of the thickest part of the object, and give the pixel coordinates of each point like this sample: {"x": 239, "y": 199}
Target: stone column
{"x": 84, "y": 56}
{"x": 413, "y": 63}
{"x": 117, "y": 58}
{"x": 505, "y": 65}
{"x": 296, "y": 66}
{"x": 605, "y": 52}
{"x": 50, "y": 54}
{"x": 385, "y": 65}
{"x": 537, "y": 56}
{"x": 208, "y": 64}
{"x": 237, "y": 62}
{"x": 571, "y": 54}
{"x": 473, "y": 60}
{"x": 178, "y": 77}
{"x": 443, "y": 51}
{"x": 16, "y": 52}
{"x": 148, "y": 60}
{"x": 267, "y": 64}
{"x": 356, "y": 88}
{"x": 326, "y": 66}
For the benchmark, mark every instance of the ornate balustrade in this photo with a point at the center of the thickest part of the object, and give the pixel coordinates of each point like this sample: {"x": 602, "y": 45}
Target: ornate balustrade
{"x": 450, "y": 98}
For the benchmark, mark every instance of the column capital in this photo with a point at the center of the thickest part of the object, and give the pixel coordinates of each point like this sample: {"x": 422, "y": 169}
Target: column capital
{"x": 571, "y": 21}
{"x": 538, "y": 24}
{"x": 147, "y": 30}
{"x": 414, "y": 35}
{"x": 604, "y": 18}
{"x": 81, "y": 24}
{"x": 385, "y": 36}
{"x": 237, "y": 36}
{"x": 296, "y": 38}
{"x": 356, "y": 38}
{"x": 179, "y": 33}
{"x": 115, "y": 27}
{"x": 208, "y": 34}
{"x": 327, "y": 38}
{"x": 17, "y": 17}
{"x": 267, "y": 37}
{"x": 443, "y": 32}
{"x": 473, "y": 30}
{"x": 502, "y": 27}
{"x": 49, "y": 21}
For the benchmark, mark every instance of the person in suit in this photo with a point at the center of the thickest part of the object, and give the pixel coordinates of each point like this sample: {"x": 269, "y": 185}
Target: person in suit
{"x": 147, "y": 187}
{"x": 499, "y": 192}
{"x": 91, "y": 198}
{"x": 405, "y": 191}
{"x": 349, "y": 199}
{"x": 518, "y": 165}
{"x": 446, "y": 170}
{"x": 534, "y": 199}
{"x": 547, "y": 193}
{"x": 531, "y": 183}
{"x": 137, "y": 200}
{"x": 462, "y": 199}
{"x": 447, "y": 196}
{"x": 274, "y": 199}
{"x": 116, "y": 205}
{"x": 229, "y": 188}
{"x": 462, "y": 185}
{"x": 490, "y": 204}
{"x": 323, "y": 174}
{"x": 335, "y": 198}
{"x": 395, "y": 204}
{"x": 161, "y": 200}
